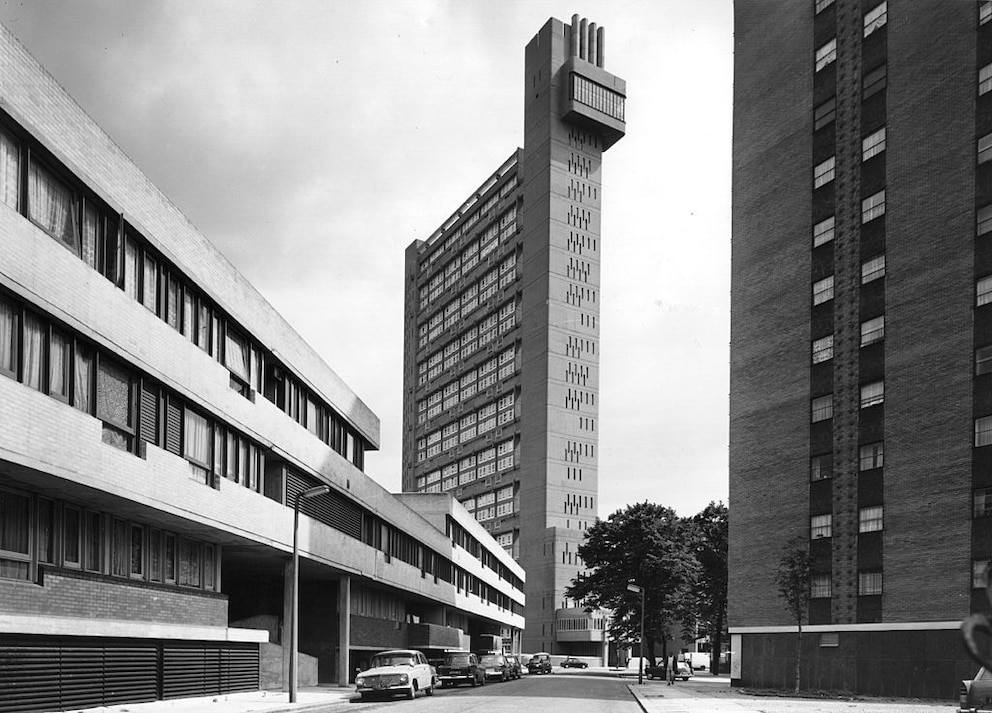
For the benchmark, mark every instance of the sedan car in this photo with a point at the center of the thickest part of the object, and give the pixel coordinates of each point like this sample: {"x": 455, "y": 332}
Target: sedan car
{"x": 495, "y": 667}
{"x": 659, "y": 671}
{"x": 400, "y": 671}
{"x": 976, "y": 694}
{"x": 460, "y": 667}
{"x": 572, "y": 662}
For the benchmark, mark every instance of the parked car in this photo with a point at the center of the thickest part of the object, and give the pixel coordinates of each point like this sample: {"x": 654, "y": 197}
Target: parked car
{"x": 400, "y": 671}
{"x": 460, "y": 667}
{"x": 572, "y": 662}
{"x": 495, "y": 667}
{"x": 659, "y": 671}
{"x": 516, "y": 668}
{"x": 976, "y": 694}
{"x": 539, "y": 663}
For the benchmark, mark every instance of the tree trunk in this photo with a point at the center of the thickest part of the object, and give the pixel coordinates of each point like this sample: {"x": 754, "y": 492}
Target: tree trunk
{"x": 717, "y": 648}
{"x": 799, "y": 654}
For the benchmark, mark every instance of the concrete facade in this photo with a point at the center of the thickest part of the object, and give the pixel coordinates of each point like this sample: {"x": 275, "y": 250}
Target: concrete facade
{"x": 855, "y": 413}
{"x": 501, "y": 361}
{"x": 159, "y": 420}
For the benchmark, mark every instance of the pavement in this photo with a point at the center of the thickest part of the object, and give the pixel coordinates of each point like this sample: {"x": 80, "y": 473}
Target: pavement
{"x": 307, "y": 699}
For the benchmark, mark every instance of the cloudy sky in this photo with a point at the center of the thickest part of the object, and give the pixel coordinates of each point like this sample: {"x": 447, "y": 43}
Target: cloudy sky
{"x": 313, "y": 140}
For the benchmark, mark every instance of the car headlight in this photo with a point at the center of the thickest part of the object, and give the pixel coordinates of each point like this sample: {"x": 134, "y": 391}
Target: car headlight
{"x": 359, "y": 681}
{"x": 404, "y": 678}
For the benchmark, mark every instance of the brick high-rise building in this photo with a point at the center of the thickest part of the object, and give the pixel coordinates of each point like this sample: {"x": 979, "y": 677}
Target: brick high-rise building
{"x": 861, "y": 380}
{"x": 502, "y": 331}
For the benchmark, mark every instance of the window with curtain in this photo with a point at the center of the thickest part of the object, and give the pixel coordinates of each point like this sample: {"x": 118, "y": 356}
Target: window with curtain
{"x": 8, "y": 337}
{"x": 33, "y": 348}
{"x": 155, "y": 555}
{"x": 82, "y": 385}
{"x": 15, "y": 518}
{"x": 188, "y": 315}
{"x": 149, "y": 284}
{"x": 189, "y": 563}
{"x": 172, "y": 303}
{"x": 9, "y": 173}
{"x": 137, "y": 551}
{"x": 58, "y": 365}
{"x": 203, "y": 327}
{"x": 169, "y": 558}
{"x": 71, "y": 527}
{"x": 120, "y": 550}
{"x": 46, "y": 531}
{"x": 131, "y": 269}
{"x": 236, "y": 354}
{"x": 93, "y": 542}
{"x": 90, "y": 237}
{"x": 196, "y": 438}
{"x": 52, "y": 205}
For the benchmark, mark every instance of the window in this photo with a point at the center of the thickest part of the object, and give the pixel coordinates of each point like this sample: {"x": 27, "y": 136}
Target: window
{"x": 196, "y": 438}
{"x": 52, "y": 206}
{"x": 978, "y": 569}
{"x": 872, "y": 330}
{"x": 869, "y": 583}
{"x": 819, "y": 586}
{"x": 113, "y": 404}
{"x": 825, "y": 114}
{"x": 58, "y": 365}
{"x": 823, "y": 290}
{"x": 826, "y": 54}
{"x": 984, "y": 220}
{"x": 821, "y": 467}
{"x": 823, "y": 232}
{"x": 82, "y": 385}
{"x": 823, "y": 349}
{"x": 8, "y": 338}
{"x": 871, "y": 456}
{"x": 985, "y": 148}
{"x": 72, "y": 524}
{"x": 873, "y": 144}
{"x": 875, "y": 18}
{"x": 870, "y": 519}
{"x": 983, "y": 360}
{"x": 33, "y": 351}
{"x": 873, "y": 82}
{"x": 236, "y": 353}
{"x": 873, "y": 269}
{"x": 9, "y": 170}
{"x": 822, "y": 408}
{"x": 823, "y": 173}
{"x": 873, "y": 207}
{"x": 985, "y": 12}
{"x": 983, "y": 291}
{"x": 872, "y": 394}
{"x": 15, "y": 514}
{"x": 821, "y": 5}
{"x": 982, "y": 502}
{"x": 820, "y": 526}
{"x": 985, "y": 79}
{"x": 983, "y": 431}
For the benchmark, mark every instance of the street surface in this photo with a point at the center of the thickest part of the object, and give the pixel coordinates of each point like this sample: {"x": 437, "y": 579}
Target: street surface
{"x": 602, "y": 691}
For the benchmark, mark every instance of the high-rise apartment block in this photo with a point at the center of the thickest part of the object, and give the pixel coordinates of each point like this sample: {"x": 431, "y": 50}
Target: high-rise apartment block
{"x": 501, "y": 353}
{"x": 861, "y": 379}
{"x": 159, "y": 421}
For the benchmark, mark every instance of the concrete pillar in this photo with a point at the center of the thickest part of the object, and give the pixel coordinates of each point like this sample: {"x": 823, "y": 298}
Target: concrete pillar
{"x": 287, "y": 615}
{"x": 344, "y": 630}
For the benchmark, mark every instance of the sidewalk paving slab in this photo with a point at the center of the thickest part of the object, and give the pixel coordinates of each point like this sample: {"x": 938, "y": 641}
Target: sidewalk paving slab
{"x": 307, "y": 699}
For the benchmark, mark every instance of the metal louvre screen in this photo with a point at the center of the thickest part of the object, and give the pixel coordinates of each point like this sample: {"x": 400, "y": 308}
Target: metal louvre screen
{"x": 60, "y": 673}
{"x": 331, "y": 509}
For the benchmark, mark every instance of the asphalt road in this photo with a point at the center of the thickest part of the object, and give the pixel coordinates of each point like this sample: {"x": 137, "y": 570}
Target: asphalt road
{"x": 570, "y": 692}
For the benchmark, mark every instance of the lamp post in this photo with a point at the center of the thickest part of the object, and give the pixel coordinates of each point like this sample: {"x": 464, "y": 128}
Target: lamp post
{"x": 294, "y": 624}
{"x": 640, "y": 659}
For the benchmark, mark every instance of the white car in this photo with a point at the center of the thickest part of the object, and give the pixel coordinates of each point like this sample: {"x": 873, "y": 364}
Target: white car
{"x": 401, "y": 671}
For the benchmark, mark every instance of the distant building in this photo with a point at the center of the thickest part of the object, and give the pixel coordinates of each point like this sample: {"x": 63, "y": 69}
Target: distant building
{"x": 501, "y": 366}
{"x": 157, "y": 420}
{"x": 861, "y": 384}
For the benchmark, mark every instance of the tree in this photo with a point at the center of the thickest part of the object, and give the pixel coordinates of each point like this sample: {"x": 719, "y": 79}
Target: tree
{"x": 651, "y": 546}
{"x": 793, "y": 580}
{"x": 710, "y": 546}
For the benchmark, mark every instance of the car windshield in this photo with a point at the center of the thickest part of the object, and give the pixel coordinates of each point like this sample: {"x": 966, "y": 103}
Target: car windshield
{"x": 382, "y": 660}
{"x": 491, "y": 660}
{"x": 456, "y": 660}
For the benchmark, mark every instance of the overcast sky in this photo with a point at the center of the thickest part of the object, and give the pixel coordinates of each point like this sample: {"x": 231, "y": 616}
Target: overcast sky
{"x": 312, "y": 141}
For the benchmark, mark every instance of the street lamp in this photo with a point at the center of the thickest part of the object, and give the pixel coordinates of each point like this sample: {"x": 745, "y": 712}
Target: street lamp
{"x": 294, "y": 624}
{"x": 640, "y": 661}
